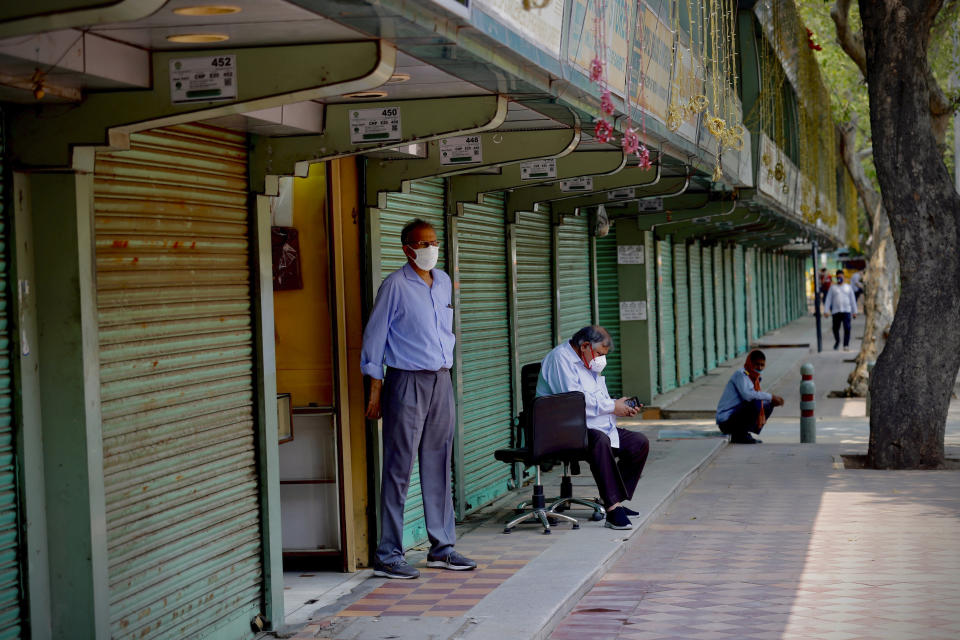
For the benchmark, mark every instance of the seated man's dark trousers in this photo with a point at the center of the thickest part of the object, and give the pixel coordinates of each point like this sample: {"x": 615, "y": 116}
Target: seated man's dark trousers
{"x": 617, "y": 470}
{"x": 743, "y": 420}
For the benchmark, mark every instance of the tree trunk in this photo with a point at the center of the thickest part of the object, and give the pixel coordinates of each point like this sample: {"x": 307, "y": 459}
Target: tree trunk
{"x": 913, "y": 379}
{"x": 882, "y": 270}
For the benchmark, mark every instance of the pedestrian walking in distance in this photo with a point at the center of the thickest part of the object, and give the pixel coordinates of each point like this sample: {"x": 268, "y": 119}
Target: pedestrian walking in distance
{"x": 410, "y": 331}
{"x": 842, "y": 304}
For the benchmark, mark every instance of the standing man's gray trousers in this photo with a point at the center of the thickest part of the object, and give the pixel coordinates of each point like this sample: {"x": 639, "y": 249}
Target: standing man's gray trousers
{"x": 418, "y": 417}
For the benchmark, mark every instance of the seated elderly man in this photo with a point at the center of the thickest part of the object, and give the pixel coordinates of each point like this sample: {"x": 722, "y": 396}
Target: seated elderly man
{"x": 743, "y": 408}
{"x": 616, "y": 455}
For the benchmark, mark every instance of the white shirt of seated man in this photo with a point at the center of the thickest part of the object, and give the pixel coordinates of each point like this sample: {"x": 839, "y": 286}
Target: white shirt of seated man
{"x": 578, "y": 368}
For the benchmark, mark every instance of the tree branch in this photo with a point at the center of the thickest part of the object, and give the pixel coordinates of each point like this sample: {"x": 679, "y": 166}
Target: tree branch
{"x": 863, "y": 154}
{"x": 850, "y": 42}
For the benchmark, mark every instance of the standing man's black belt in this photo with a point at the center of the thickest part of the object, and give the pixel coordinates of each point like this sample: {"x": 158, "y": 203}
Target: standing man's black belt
{"x": 440, "y": 370}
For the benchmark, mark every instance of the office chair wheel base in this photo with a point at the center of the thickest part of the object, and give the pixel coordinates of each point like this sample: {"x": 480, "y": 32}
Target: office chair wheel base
{"x": 507, "y": 529}
{"x": 576, "y": 525}
{"x": 596, "y": 516}
{"x": 547, "y": 532}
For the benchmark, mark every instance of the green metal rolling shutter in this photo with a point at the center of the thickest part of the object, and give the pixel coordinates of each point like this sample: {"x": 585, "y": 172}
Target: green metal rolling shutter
{"x": 573, "y": 257}
{"x": 740, "y": 285}
{"x": 729, "y": 295}
{"x": 753, "y": 303}
{"x": 719, "y": 302}
{"x": 534, "y": 286}
{"x": 486, "y": 407}
{"x": 667, "y": 330}
{"x": 709, "y": 309}
{"x": 177, "y": 384}
{"x": 782, "y": 289}
{"x": 10, "y": 613}
{"x": 424, "y": 201}
{"x": 681, "y": 306}
{"x": 649, "y": 260}
{"x": 762, "y": 288}
{"x": 696, "y": 310}
{"x": 608, "y": 295}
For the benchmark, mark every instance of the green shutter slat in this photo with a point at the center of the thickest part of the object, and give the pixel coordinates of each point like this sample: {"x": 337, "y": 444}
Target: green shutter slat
{"x": 425, "y": 201}
{"x": 720, "y": 303}
{"x": 668, "y": 349}
{"x": 728, "y": 302}
{"x": 177, "y": 384}
{"x": 485, "y": 358}
{"x": 10, "y": 573}
{"x": 741, "y": 301}
{"x": 650, "y": 262}
{"x": 534, "y": 286}
{"x": 681, "y": 298}
{"x": 573, "y": 258}
{"x": 709, "y": 309}
{"x": 696, "y": 310}
{"x": 608, "y": 296}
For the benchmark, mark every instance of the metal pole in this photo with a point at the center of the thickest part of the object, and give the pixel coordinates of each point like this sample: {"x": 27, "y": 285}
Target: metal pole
{"x": 808, "y": 403}
{"x": 816, "y": 297}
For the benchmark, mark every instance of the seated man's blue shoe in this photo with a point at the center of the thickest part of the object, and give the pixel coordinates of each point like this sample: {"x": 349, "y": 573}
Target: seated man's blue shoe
{"x": 617, "y": 519}
{"x": 452, "y": 561}
{"x": 399, "y": 570}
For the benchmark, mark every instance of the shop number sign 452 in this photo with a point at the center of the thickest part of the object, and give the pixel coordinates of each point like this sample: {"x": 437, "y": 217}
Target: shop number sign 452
{"x": 203, "y": 78}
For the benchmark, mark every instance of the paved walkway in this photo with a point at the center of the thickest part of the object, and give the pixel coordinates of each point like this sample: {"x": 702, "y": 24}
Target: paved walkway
{"x": 773, "y": 542}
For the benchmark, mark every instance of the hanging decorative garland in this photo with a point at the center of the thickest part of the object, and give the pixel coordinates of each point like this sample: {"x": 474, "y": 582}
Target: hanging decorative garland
{"x": 603, "y": 130}
{"x": 631, "y": 140}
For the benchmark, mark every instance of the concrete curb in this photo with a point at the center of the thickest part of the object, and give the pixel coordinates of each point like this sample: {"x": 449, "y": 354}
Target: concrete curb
{"x": 494, "y": 620}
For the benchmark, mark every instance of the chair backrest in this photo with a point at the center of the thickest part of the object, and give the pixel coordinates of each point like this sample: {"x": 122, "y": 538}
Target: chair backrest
{"x": 558, "y": 425}
{"x": 529, "y": 376}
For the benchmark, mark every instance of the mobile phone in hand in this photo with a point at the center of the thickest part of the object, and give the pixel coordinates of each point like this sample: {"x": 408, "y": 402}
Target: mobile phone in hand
{"x": 634, "y": 403}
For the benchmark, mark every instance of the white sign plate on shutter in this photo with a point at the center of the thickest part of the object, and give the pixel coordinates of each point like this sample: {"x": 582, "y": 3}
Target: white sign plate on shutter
{"x": 630, "y": 254}
{"x": 537, "y": 169}
{"x": 633, "y": 310}
{"x": 461, "y": 150}
{"x": 651, "y": 204}
{"x": 577, "y": 184}
{"x": 203, "y": 79}
{"x": 622, "y": 194}
{"x": 375, "y": 125}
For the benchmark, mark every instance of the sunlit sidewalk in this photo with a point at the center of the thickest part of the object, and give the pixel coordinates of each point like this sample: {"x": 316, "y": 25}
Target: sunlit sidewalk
{"x": 774, "y": 542}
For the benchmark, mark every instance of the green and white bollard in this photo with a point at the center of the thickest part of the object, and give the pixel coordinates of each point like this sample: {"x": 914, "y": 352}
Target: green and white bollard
{"x": 808, "y": 402}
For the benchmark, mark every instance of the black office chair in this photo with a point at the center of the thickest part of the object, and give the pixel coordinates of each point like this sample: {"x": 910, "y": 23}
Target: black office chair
{"x": 562, "y": 439}
{"x": 529, "y": 377}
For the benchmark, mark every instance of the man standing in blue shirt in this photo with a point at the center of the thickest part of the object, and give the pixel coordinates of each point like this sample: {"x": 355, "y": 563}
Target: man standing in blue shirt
{"x": 410, "y": 330}
{"x": 617, "y": 456}
{"x": 743, "y": 408}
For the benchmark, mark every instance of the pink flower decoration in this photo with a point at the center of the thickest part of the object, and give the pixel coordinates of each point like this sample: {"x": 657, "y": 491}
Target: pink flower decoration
{"x": 631, "y": 142}
{"x": 596, "y": 70}
{"x": 603, "y": 131}
{"x": 644, "y": 155}
{"x": 606, "y": 103}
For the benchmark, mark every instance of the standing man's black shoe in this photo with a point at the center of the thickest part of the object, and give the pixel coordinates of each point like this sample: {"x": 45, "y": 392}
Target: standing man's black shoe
{"x": 399, "y": 570}
{"x": 453, "y": 561}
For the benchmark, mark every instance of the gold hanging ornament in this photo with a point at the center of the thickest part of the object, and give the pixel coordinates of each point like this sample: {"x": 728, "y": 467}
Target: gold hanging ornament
{"x": 778, "y": 172}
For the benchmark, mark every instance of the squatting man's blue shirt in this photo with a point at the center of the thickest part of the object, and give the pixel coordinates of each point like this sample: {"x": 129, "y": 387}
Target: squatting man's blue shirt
{"x": 562, "y": 371}
{"x": 739, "y": 389}
{"x": 411, "y": 325}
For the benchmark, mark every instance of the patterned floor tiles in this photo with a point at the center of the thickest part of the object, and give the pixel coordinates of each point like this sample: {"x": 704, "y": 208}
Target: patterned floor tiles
{"x": 439, "y": 592}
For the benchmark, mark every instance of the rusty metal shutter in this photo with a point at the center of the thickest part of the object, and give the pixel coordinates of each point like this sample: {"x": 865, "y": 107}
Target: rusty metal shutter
{"x": 424, "y": 200}
{"x": 10, "y": 611}
{"x": 486, "y": 407}
{"x": 177, "y": 384}
{"x": 573, "y": 257}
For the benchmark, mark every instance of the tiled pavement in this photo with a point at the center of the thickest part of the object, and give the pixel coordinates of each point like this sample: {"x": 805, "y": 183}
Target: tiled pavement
{"x": 443, "y": 593}
{"x": 773, "y": 543}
